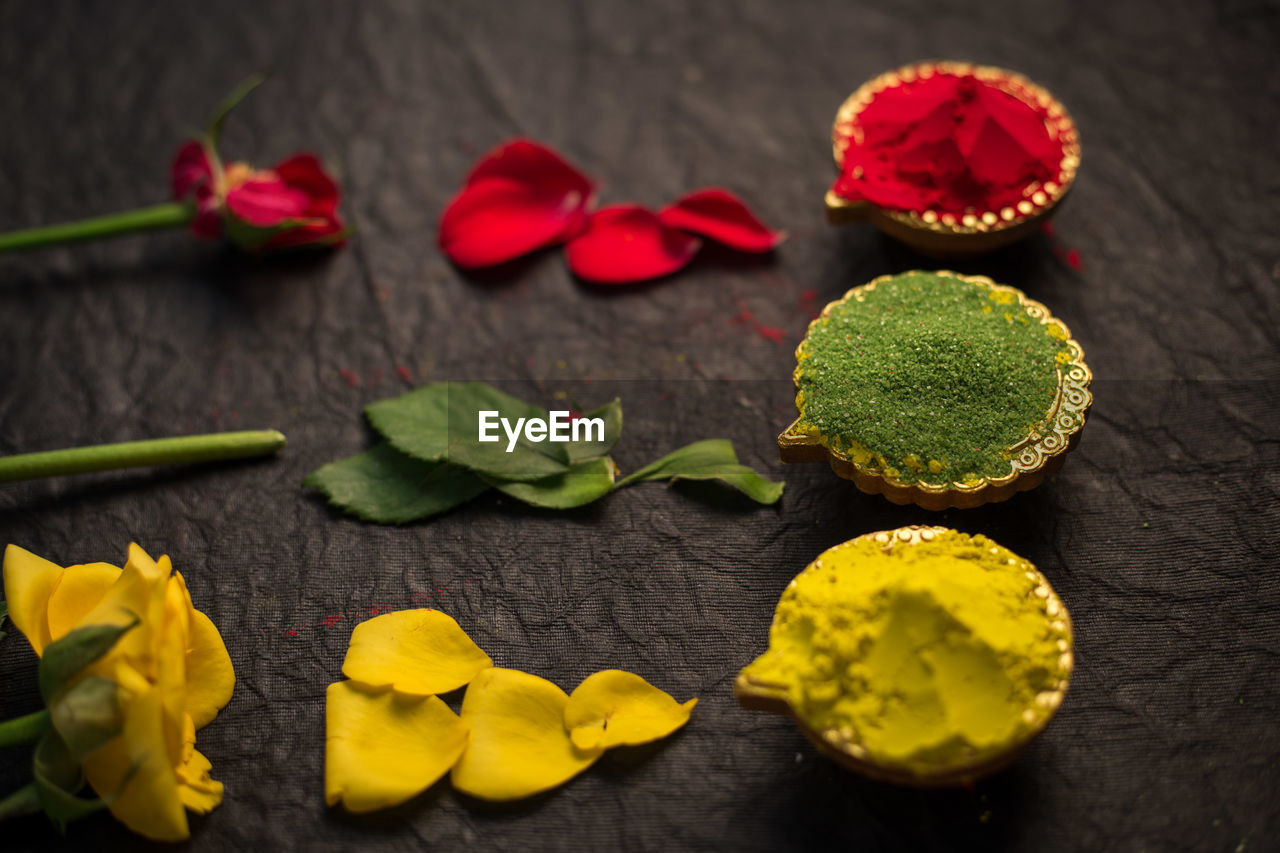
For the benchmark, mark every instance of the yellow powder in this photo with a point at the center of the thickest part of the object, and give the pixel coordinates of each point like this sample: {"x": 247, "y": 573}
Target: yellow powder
{"x": 928, "y": 656}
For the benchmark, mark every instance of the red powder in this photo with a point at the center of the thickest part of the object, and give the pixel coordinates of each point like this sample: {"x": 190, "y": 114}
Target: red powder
{"x": 950, "y": 143}
{"x": 1073, "y": 260}
{"x": 350, "y": 376}
{"x": 404, "y": 373}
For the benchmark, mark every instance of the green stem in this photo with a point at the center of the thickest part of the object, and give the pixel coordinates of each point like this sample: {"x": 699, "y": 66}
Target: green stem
{"x": 168, "y": 215}
{"x": 21, "y": 802}
{"x": 22, "y": 730}
{"x": 134, "y": 454}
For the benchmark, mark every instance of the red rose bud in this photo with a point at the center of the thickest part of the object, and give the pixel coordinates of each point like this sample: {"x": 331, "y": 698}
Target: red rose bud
{"x": 293, "y": 204}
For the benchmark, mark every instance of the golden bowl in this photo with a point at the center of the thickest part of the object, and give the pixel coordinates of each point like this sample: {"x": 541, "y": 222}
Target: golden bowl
{"x": 1035, "y": 457}
{"x": 844, "y": 748}
{"x": 946, "y": 235}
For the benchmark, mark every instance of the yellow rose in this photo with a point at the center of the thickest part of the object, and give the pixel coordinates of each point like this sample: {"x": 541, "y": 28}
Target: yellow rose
{"x": 172, "y": 673}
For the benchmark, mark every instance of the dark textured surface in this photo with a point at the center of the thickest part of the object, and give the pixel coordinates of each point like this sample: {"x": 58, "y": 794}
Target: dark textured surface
{"x": 1161, "y": 533}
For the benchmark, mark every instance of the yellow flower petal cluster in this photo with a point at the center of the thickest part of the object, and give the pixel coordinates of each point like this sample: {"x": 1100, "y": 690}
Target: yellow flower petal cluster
{"x": 388, "y": 738}
{"x": 172, "y": 674}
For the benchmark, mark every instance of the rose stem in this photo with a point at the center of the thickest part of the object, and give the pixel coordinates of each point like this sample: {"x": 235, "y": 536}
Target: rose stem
{"x": 133, "y": 454}
{"x": 167, "y": 215}
{"x": 26, "y": 729}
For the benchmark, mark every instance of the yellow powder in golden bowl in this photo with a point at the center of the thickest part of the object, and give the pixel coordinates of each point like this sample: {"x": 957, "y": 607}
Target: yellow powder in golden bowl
{"x": 921, "y": 655}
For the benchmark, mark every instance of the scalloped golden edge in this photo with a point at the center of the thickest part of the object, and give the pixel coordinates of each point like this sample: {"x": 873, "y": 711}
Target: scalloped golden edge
{"x": 945, "y": 235}
{"x": 1039, "y": 455}
{"x": 754, "y": 695}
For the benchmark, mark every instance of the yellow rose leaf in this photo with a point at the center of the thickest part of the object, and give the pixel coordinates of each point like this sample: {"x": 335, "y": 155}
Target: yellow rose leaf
{"x": 383, "y": 747}
{"x": 28, "y": 582}
{"x": 616, "y": 708}
{"x": 77, "y": 594}
{"x": 210, "y": 678}
{"x": 519, "y": 745}
{"x": 148, "y": 803}
{"x": 414, "y": 651}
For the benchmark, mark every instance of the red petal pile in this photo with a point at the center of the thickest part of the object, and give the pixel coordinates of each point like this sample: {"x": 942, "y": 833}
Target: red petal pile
{"x": 523, "y": 196}
{"x": 950, "y": 143}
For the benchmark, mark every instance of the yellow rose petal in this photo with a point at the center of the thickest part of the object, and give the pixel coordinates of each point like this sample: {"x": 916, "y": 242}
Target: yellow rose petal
{"x": 616, "y": 708}
{"x": 149, "y": 803}
{"x": 414, "y": 651}
{"x": 138, "y": 593}
{"x": 210, "y": 678}
{"x": 77, "y": 594}
{"x": 383, "y": 747}
{"x": 28, "y": 582}
{"x": 519, "y": 745}
{"x": 197, "y": 790}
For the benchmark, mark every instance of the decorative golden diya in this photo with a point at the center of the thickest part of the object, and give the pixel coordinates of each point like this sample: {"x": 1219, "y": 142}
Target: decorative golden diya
{"x": 950, "y": 233}
{"x": 938, "y": 389}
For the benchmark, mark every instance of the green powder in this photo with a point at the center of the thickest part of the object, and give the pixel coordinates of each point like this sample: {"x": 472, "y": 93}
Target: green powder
{"x": 929, "y": 378}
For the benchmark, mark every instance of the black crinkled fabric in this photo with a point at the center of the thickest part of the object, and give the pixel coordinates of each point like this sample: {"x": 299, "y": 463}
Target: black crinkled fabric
{"x": 1161, "y": 532}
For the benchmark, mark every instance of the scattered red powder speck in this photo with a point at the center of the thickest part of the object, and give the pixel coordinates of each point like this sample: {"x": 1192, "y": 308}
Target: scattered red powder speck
{"x": 1047, "y": 228}
{"x": 404, "y": 373}
{"x": 235, "y": 415}
{"x": 330, "y": 621}
{"x": 808, "y": 295}
{"x": 350, "y": 376}
{"x": 374, "y": 611}
{"x": 291, "y": 633}
{"x": 421, "y": 597}
{"x": 769, "y": 333}
{"x": 1073, "y": 259}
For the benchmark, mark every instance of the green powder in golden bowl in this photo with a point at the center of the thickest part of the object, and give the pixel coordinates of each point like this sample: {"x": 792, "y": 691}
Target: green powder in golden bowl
{"x": 935, "y": 380}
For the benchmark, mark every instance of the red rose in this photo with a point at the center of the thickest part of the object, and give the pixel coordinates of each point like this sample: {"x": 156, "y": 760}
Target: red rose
{"x": 293, "y": 204}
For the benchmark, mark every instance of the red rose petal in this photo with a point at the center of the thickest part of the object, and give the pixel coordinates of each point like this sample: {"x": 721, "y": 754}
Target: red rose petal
{"x": 192, "y": 177}
{"x": 628, "y": 243}
{"x": 266, "y": 202}
{"x": 520, "y": 197}
{"x": 498, "y": 220}
{"x": 723, "y": 217}
{"x": 304, "y": 172}
{"x": 192, "y": 170}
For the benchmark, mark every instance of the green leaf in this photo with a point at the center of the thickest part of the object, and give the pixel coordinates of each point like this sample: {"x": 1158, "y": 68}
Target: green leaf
{"x": 385, "y": 486}
{"x": 230, "y": 102}
{"x": 23, "y": 801}
{"x": 64, "y": 659}
{"x": 441, "y": 423}
{"x": 87, "y": 715}
{"x": 57, "y": 777}
{"x": 583, "y": 451}
{"x": 581, "y": 484}
{"x": 713, "y": 459}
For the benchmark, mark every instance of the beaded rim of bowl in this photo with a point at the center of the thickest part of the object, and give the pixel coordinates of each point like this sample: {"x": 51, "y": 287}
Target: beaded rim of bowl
{"x": 1034, "y": 457}
{"x": 1037, "y": 199}
{"x": 843, "y": 747}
